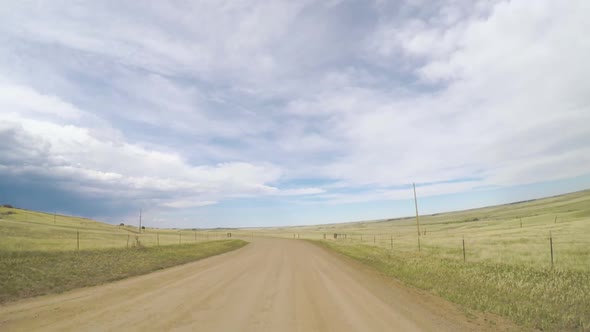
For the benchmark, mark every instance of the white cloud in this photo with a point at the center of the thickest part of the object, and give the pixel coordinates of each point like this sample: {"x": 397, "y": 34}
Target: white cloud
{"x": 24, "y": 100}
{"x": 188, "y": 203}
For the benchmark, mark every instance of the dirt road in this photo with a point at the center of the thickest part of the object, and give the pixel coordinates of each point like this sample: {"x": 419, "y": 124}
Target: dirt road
{"x": 269, "y": 285}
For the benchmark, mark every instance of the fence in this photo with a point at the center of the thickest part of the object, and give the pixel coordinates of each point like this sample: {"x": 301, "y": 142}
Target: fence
{"x": 547, "y": 244}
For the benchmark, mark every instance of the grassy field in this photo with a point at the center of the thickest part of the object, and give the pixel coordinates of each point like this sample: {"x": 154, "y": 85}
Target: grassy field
{"x": 24, "y": 230}
{"x": 44, "y": 253}
{"x": 31, "y": 273}
{"x": 492, "y": 234}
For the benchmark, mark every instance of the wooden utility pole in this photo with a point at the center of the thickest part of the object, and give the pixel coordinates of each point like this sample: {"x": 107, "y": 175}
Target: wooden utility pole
{"x": 416, "y": 204}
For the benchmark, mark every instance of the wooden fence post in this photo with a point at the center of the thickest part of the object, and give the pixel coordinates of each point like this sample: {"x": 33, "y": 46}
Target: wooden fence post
{"x": 464, "y": 258}
{"x": 419, "y": 246}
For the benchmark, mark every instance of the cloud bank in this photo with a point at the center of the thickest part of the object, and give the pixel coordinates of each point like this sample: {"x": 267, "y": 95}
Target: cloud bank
{"x": 184, "y": 105}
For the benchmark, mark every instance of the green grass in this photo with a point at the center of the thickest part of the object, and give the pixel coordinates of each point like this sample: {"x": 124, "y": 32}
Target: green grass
{"x": 546, "y": 299}
{"x": 31, "y": 273}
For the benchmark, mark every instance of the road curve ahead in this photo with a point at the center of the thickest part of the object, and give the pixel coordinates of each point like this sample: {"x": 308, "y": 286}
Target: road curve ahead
{"x": 269, "y": 285}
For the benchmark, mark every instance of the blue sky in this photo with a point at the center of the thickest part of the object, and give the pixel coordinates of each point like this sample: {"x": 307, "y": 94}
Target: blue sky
{"x": 254, "y": 113}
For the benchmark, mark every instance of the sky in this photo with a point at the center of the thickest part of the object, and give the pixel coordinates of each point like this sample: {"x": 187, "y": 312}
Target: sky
{"x": 257, "y": 113}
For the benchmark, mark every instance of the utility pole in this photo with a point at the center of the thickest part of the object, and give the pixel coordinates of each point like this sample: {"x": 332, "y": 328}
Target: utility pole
{"x": 417, "y": 217}
{"x": 139, "y": 220}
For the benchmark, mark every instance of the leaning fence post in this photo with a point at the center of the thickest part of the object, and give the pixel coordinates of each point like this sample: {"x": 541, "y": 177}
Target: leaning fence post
{"x": 464, "y": 259}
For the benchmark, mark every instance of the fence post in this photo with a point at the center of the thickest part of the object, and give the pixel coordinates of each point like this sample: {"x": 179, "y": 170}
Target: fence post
{"x": 77, "y": 240}
{"x": 127, "y": 241}
{"x": 419, "y": 246}
{"x": 555, "y": 221}
{"x": 464, "y": 259}
{"x": 551, "y": 244}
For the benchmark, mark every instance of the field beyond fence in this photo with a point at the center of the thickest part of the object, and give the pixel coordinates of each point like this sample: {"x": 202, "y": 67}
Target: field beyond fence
{"x": 545, "y": 233}
{"x": 24, "y": 230}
